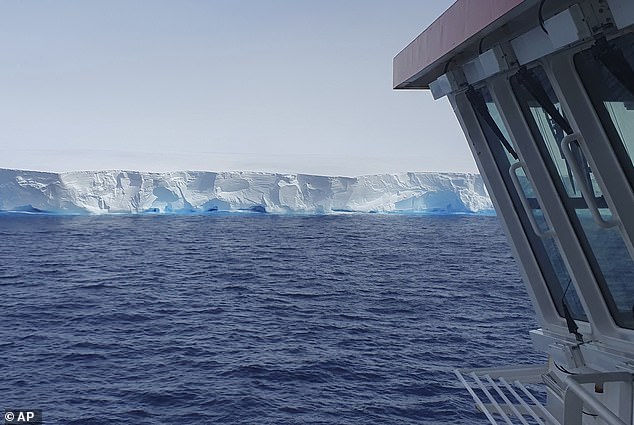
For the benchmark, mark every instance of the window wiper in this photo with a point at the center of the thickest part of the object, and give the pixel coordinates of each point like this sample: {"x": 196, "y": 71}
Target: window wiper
{"x": 479, "y": 105}
{"x": 527, "y": 79}
{"x": 613, "y": 59}
{"x": 570, "y": 321}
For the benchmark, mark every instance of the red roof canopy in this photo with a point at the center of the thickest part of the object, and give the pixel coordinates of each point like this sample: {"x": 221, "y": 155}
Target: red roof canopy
{"x": 462, "y": 21}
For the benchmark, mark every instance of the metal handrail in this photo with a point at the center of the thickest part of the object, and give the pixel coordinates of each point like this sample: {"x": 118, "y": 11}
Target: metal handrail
{"x": 521, "y": 401}
{"x": 544, "y": 411}
{"x": 586, "y": 192}
{"x": 527, "y": 208}
{"x": 475, "y": 397}
{"x": 575, "y": 396}
{"x": 506, "y": 399}
{"x": 509, "y": 401}
{"x": 524, "y": 405}
{"x": 491, "y": 398}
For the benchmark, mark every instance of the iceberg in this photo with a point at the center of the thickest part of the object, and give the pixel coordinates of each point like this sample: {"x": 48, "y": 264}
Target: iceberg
{"x": 117, "y": 191}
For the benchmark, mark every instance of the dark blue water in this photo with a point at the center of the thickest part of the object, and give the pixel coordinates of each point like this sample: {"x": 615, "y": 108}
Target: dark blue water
{"x": 255, "y": 319}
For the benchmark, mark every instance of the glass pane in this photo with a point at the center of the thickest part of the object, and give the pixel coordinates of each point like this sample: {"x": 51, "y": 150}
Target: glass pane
{"x": 566, "y": 291}
{"x": 495, "y": 114}
{"x": 613, "y": 98}
{"x": 613, "y": 264}
{"x": 553, "y": 134}
{"x": 609, "y": 249}
{"x": 546, "y": 251}
{"x": 622, "y": 115}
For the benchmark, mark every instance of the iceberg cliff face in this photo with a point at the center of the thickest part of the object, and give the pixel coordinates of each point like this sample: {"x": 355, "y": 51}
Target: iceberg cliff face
{"x": 99, "y": 192}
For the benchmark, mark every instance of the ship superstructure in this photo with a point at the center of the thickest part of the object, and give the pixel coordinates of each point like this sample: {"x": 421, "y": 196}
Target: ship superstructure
{"x": 544, "y": 92}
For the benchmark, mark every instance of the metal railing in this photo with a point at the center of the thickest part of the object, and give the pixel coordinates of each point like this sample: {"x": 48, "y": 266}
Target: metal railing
{"x": 509, "y": 395}
{"x": 502, "y": 393}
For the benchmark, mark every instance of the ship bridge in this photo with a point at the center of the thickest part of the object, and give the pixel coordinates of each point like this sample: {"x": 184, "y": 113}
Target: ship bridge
{"x": 544, "y": 92}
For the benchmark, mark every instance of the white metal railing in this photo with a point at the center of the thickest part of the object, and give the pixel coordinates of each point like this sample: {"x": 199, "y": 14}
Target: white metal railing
{"x": 576, "y": 396}
{"x": 518, "y": 402}
{"x": 512, "y": 403}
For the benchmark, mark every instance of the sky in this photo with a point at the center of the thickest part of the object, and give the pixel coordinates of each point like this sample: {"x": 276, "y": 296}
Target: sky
{"x": 289, "y": 86}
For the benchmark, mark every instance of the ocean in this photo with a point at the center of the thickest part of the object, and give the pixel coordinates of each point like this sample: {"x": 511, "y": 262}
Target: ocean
{"x": 255, "y": 318}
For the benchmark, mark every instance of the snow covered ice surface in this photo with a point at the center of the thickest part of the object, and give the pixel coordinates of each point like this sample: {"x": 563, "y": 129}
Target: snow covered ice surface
{"x": 100, "y": 192}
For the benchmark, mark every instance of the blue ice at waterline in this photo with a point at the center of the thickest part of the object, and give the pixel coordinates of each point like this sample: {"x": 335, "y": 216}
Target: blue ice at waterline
{"x": 202, "y": 192}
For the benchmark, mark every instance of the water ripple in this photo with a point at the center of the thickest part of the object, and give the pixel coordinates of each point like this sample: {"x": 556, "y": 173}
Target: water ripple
{"x": 255, "y": 319}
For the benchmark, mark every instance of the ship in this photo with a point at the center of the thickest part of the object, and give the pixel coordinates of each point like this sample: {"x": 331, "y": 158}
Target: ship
{"x": 544, "y": 93}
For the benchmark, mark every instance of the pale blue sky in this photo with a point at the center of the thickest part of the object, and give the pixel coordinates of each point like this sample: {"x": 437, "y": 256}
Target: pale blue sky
{"x": 263, "y": 85}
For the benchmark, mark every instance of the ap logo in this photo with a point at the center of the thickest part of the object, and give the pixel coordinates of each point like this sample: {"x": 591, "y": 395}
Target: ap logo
{"x": 22, "y": 416}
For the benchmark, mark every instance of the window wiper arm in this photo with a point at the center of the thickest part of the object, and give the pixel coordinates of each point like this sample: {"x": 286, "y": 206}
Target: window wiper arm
{"x": 570, "y": 321}
{"x": 528, "y": 80}
{"x": 530, "y": 83}
{"x": 613, "y": 59}
{"x": 477, "y": 102}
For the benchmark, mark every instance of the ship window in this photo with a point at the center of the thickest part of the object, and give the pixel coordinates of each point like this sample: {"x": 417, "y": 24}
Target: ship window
{"x": 605, "y": 248}
{"x": 546, "y": 112}
{"x": 552, "y": 265}
{"x": 489, "y": 115}
{"x": 607, "y": 72}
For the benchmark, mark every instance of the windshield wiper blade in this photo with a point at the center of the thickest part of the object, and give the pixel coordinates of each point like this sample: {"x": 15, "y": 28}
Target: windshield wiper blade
{"x": 613, "y": 59}
{"x": 527, "y": 79}
{"x": 477, "y": 102}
